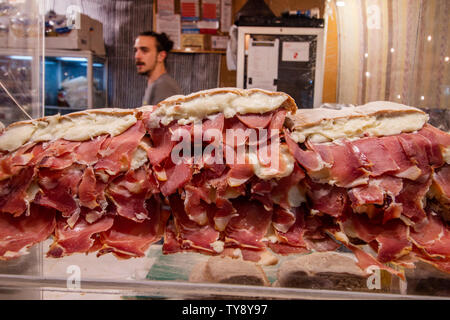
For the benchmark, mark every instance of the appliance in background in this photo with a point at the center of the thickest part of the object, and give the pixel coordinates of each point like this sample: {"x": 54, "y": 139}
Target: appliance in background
{"x": 282, "y": 59}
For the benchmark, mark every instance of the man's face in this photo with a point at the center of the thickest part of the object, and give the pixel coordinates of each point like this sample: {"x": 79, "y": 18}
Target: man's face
{"x": 146, "y": 55}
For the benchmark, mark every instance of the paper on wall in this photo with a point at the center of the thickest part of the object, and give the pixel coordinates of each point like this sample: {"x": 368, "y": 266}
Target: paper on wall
{"x": 225, "y": 15}
{"x": 171, "y": 25}
{"x": 295, "y": 51}
{"x": 166, "y": 7}
{"x": 262, "y": 67}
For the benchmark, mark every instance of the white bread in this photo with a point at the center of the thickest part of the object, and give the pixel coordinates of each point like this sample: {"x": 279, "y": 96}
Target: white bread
{"x": 85, "y": 125}
{"x": 77, "y": 126}
{"x": 229, "y": 101}
{"x": 218, "y": 269}
{"x": 379, "y": 118}
{"x": 321, "y": 270}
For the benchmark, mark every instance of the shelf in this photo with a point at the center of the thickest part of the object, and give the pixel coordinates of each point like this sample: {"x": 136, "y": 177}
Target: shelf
{"x": 199, "y": 51}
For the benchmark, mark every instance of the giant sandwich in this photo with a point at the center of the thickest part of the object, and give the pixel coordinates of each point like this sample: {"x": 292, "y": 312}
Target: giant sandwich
{"x": 231, "y": 172}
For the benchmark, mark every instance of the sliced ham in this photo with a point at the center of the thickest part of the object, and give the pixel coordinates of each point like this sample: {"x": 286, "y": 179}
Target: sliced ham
{"x": 13, "y": 192}
{"x": 433, "y": 237}
{"x": 293, "y": 227}
{"x": 441, "y": 185}
{"x": 177, "y": 176}
{"x": 196, "y": 204}
{"x": 17, "y": 234}
{"x": 379, "y": 161}
{"x": 308, "y": 159}
{"x": 78, "y": 239}
{"x": 127, "y": 238}
{"x": 117, "y": 151}
{"x": 255, "y": 121}
{"x": 87, "y": 151}
{"x": 278, "y": 120}
{"x": 162, "y": 145}
{"x": 130, "y": 193}
{"x": 327, "y": 199}
{"x": 346, "y": 168}
{"x": 189, "y": 234}
{"x": 239, "y": 174}
{"x": 59, "y": 189}
{"x": 407, "y": 169}
{"x": 250, "y": 226}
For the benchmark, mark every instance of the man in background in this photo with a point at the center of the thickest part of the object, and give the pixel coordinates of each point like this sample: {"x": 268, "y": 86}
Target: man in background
{"x": 150, "y": 54}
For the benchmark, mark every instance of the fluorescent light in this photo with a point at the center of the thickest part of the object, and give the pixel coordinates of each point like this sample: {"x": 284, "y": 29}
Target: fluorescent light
{"x": 73, "y": 59}
{"x": 340, "y": 3}
{"x": 21, "y": 57}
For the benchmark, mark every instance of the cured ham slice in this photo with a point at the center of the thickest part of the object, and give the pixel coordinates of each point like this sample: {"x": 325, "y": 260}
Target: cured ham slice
{"x": 78, "y": 239}
{"x": 59, "y": 188}
{"x": 346, "y": 168}
{"x": 13, "y": 195}
{"x": 258, "y": 121}
{"x": 127, "y": 238}
{"x": 177, "y": 176}
{"x": 20, "y": 233}
{"x": 87, "y": 152}
{"x": 250, "y": 225}
{"x": 130, "y": 192}
{"x": 117, "y": 151}
{"x": 433, "y": 237}
{"x": 327, "y": 199}
{"x": 441, "y": 185}
{"x": 264, "y": 177}
{"x": 308, "y": 159}
{"x": 189, "y": 234}
{"x": 379, "y": 161}
{"x": 407, "y": 169}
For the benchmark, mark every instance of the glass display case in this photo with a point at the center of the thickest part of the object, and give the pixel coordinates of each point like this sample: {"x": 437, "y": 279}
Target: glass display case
{"x": 74, "y": 80}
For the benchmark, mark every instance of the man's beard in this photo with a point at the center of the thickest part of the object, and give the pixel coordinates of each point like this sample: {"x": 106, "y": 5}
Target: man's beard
{"x": 144, "y": 73}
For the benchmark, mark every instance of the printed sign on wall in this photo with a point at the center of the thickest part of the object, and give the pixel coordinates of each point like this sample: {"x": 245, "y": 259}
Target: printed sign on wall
{"x": 295, "y": 51}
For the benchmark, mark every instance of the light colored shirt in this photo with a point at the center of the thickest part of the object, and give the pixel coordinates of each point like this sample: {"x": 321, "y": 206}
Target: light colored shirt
{"x": 163, "y": 87}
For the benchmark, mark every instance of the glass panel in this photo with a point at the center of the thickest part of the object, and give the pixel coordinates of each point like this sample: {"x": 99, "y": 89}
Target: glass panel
{"x": 21, "y": 98}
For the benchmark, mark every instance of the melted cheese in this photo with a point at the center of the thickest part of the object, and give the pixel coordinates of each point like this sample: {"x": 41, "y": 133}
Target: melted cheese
{"x": 80, "y": 127}
{"x": 229, "y": 103}
{"x": 218, "y": 246}
{"x": 285, "y": 166}
{"x": 357, "y": 127}
{"x": 446, "y": 154}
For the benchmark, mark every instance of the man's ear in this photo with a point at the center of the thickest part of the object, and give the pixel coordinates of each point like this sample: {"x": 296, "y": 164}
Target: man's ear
{"x": 161, "y": 56}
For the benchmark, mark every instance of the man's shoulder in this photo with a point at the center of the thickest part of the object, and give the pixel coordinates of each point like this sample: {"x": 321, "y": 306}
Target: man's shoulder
{"x": 167, "y": 82}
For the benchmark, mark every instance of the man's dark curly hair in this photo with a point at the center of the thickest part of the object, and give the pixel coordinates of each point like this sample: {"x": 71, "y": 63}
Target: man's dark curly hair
{"x": 163, "y": 43}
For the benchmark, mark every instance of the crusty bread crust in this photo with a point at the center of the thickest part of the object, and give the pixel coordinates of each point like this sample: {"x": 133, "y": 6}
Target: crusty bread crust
{"x": 289, "y": 103}
{"x": 304, "y": 118}
{"x": 322, "y": 262}
{"x": 104, "y": 111}
{"x": 219, "y": 269}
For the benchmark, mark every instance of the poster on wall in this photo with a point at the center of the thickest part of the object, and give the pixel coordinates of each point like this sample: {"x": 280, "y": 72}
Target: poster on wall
{"x": 166, "y": 7}
{"x": 262, "y": 68}
{"x": 189, "y": 10}
{"x": 171, "y": 25}
{"x": 295, "y": 51}
{"x": 225, "y": 15}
